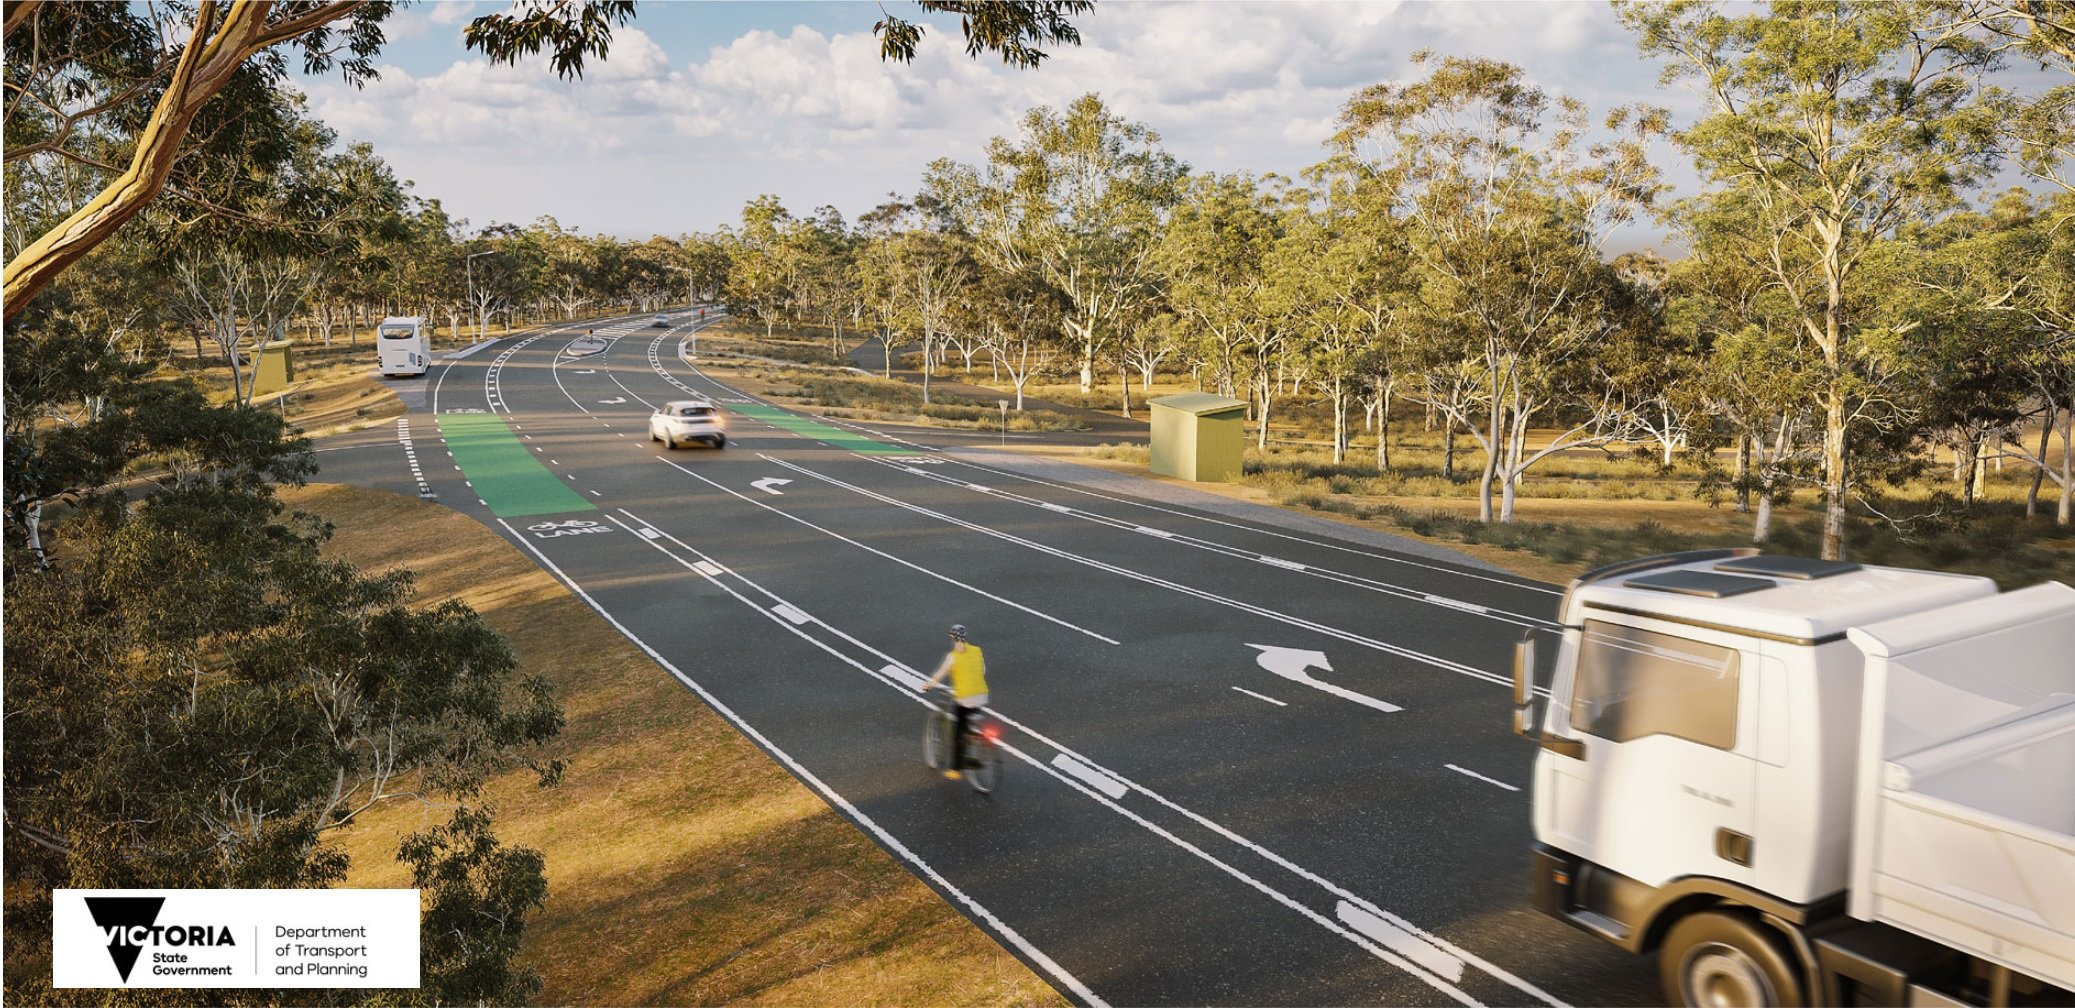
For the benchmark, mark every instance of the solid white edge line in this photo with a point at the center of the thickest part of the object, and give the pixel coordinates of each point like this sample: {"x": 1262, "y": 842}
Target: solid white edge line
{"x": 828, "y": 793}
{"x": 911, "y": 565}
{"x": 1479, "y": 776}
{"x": 1272, "y": 893}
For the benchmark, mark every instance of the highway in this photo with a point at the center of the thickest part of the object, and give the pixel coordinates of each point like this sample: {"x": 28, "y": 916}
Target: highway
{"x": 1246, "y": 764}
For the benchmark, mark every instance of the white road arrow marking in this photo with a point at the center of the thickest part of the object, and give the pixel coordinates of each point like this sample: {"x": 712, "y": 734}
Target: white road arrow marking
{"x": 1294, "y": 664}
{"x": 612, "y": 402}
{"x": 771, "y": 484}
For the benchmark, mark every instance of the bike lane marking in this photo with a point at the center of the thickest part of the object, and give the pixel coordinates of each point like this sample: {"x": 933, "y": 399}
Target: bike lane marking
{"x": 505, "y": 476}
{"x": 799, "y": 770}
{"x": 1097, "y": 783}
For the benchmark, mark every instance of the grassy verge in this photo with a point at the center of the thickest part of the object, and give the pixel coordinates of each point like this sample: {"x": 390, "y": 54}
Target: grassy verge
{"x": 738, "y": 350}
{"x": 684, "y": 866}
{"x": 1592, "y": 512}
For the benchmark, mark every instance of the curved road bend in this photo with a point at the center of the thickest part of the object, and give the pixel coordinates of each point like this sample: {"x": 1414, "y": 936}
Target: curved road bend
{"x": 1245, "y": 765}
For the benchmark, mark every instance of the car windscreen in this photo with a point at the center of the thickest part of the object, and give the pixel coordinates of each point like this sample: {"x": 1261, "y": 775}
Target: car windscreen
{"x": 696, "y": 411}
{"x": 399, "y": 333}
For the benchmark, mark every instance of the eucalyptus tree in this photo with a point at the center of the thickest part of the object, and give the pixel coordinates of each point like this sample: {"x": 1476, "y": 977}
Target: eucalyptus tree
{"x": 1081, "y": 194}
{"x": 758, "y": 267}
{"x": 1212, "y": 259}
{"x": 1311, "y": 283}
{"x": 1836, "y": 123}
{"x": 154, "y": 70}
{"x": 1506, "y": 211}
{"x": 1019, "y": 318}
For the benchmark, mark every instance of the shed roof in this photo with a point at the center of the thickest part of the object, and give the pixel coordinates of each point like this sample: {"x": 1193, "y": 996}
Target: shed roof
{"x": 1199, "y": 403}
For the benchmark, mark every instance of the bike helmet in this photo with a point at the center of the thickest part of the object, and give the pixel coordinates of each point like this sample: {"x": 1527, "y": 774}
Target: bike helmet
{"x": 957, "y": 631}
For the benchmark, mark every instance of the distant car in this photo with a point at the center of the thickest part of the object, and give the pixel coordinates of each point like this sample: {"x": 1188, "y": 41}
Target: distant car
{"x": 660, "y": 321}
{"x": 686, "y": 421}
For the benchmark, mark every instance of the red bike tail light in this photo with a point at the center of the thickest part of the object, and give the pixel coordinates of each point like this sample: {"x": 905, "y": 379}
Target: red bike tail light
{"x": 992, "y": 731}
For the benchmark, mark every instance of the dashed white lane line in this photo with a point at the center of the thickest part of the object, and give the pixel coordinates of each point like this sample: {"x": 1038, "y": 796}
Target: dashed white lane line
{"x": 1398, "y": 940}
{"x": 1146, "y": 530}
{"x": 1257, "y": 696}
{"x": 1090, "y": 776}
{"x": 790, "y": 614}
{"x": 708, "y": 568}
{"x": 410, "y": 454}
{"x": 1284, "y": 564}
{"x": 830, "y": 794}
{"x": 1442, "y": 600}
{"x": 1479, "y": 776}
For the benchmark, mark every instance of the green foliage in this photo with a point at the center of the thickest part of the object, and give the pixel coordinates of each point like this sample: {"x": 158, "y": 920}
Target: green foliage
{"x": 195, "y": 695}
{"x": 990, "y": 26}
{"x": 476, "y": 892}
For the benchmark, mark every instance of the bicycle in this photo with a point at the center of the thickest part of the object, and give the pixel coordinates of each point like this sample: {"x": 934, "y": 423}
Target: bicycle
{"x": 982, "y": 767}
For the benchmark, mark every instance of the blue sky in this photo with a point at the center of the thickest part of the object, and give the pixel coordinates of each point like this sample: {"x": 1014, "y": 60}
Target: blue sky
{"x": 703, "y": 106}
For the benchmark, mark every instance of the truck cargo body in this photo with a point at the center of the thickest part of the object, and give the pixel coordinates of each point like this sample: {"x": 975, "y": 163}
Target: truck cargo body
{"x": 1812, "y": 782}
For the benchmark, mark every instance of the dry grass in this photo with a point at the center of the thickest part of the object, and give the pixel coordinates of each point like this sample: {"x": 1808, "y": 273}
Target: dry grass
{"x": 684, "y": 866}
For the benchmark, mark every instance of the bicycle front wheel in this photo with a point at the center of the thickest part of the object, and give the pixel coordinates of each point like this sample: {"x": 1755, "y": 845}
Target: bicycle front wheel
{"x": 983, "y": 759}
{"x": 936, "y": 740}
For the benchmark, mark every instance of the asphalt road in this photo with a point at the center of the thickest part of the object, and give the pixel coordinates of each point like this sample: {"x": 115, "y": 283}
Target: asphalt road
{"x": 1247, "y": 765}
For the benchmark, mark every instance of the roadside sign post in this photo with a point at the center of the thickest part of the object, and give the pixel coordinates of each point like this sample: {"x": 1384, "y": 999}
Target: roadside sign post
{"x": 1004, "y": 404}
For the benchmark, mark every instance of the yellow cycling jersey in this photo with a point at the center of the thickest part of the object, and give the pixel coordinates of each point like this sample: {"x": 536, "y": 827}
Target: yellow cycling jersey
{"x": 968, "y": 672}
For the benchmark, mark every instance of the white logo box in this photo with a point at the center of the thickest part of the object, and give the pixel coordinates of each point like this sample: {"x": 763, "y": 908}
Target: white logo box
{"x": 234, "y": 938}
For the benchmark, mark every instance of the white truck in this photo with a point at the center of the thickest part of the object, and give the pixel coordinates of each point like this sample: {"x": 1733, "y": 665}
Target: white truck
{"x": 1811, "y": 782}
{"x": 403, "y": 346}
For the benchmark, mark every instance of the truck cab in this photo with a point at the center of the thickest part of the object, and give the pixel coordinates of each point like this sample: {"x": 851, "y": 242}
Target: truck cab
{"x": 1700, "y": 759}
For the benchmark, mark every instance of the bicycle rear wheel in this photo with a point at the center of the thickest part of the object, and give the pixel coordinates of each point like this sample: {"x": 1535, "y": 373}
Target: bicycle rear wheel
{"x": 983, "y": 762}
{"x": 936, "y": 740}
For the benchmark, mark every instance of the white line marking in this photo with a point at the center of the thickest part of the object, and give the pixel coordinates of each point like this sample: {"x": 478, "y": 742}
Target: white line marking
{"x": 731, "y": 491}
{"x": 1140, "y": 576}
{"x": 792, "y": 615}
{"x": 913, "y": 679}
{"x": 1257, "y": 696}
{"x": 1479, "y": 776}
{"x": 1091, "y": 776}
{"x": 1049, "y": 506}
{"x": 594, "y": 493}
{"x": 649, "y": 533}
{"x": 857, "y": 815}
{"x": 1256, "y": 884}
{"x": 1443, "y": 600}
{"x": 1390, "y": 936}
{"x": 1162, "y": 533}
{"x": 1285, "y": 564}
{"x": 706, "y": 567}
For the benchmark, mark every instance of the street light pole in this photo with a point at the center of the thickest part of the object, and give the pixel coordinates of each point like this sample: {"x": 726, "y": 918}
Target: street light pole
{"x": 468, "y": 264}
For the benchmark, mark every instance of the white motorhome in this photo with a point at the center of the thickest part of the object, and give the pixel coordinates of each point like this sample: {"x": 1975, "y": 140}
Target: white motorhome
{"x": 403, "y": 345}
{"x": 1811, "y": 782}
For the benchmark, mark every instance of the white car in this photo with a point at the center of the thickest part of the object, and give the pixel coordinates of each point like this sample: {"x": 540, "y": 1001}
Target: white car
{"x": 686, "y": 421}
{"x": 659, "y": 322}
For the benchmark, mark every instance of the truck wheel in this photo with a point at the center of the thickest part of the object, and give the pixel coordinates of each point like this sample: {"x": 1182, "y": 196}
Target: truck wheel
{"x": 1723, "y": 960}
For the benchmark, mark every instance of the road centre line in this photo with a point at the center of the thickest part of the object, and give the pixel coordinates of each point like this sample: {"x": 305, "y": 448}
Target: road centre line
{"x": 829, "y": 794}
{"x": 1012, "y": 474}
{"x": 1190, "y": 590}
{"x": 1358, "y": 939}
{"x": 1342, "y": 577}
{"x": 947, "y": 579}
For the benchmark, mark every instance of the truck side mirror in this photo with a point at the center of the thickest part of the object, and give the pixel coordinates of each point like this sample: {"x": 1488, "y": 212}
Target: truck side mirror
{"x": 1524, "y": 670}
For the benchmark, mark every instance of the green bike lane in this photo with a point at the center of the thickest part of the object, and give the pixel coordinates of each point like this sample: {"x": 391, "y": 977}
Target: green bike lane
{"x": 504, "y": 474}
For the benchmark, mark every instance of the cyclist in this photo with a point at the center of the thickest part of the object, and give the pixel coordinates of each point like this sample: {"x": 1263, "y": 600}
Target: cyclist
{"x": 968, "y": 671}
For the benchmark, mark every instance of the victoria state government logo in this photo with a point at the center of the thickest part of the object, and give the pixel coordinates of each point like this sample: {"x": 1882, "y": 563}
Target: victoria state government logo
{"x": 130, "y": 923}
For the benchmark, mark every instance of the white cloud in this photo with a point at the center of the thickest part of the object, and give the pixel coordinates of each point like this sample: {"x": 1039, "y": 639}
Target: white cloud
{"x": 450, "y": 12}
{"x": 670, "y": 134}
